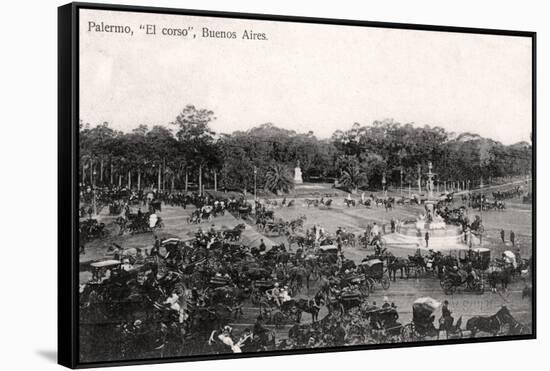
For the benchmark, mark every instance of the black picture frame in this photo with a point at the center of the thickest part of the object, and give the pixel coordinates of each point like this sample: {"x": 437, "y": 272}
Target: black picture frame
{"x": 68, "y": 119}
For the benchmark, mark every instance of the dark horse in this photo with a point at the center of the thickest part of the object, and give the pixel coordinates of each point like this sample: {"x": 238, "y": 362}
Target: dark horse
{"x": 398, "y": 264}
{"x": 490, "y": 324}
{"x": 311, "y": 306}
{"x": 499, "y": 274}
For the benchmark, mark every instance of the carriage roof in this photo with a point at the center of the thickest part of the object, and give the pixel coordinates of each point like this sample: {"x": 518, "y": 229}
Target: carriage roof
{"x": 482, "y": 251}
{"x": 170, "y": 241}
{"x": 426, "y": 305}
{"x": 371, "y": 262}
{"x": 328, "y": 248}
{"x": 105, "y": 263}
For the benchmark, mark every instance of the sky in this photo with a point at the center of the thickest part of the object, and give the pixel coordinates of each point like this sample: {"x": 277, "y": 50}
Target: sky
{"x": 304, "y": 76}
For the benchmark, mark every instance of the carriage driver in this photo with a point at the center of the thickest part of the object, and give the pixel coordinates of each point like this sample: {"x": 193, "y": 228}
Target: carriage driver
{"x": 472, "y": 275}
{"x": 446, "y": 319}
{"x": 455, "y": 275}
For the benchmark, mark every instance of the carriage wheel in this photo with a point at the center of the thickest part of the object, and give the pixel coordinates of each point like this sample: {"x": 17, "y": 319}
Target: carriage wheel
{"x": 188, "y": 220}
{"x": 370, "y": 283}
{"x": 255, "y": 298}
{"x": 408, "y": 333}
{"x": 314, "y": 276}
{"x": 365, "y": 290}
{"x": 385, "y": 281}
{"x": 278, "y": 320}
{"x": 479, "y": 288}
{"x": 449, "y": 287}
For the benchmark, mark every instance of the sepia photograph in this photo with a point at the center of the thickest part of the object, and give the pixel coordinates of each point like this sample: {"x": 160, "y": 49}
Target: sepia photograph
{"x": 255, "y": 186}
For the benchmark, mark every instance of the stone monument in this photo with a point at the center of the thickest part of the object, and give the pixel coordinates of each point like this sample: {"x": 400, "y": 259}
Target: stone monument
{"x": 298, "y": 174}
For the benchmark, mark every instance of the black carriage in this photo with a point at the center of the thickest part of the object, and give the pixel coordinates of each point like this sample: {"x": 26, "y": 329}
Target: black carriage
{"x": 328, "y": 254}
{"x": 480, "y": 258}
{"x": 235, "y": 233}
{"x": 200, "y": 215}
{"x": 103, "y": 269}
{"x": 275, "y": 228}
{"x": 115, "y": 208}
{"x": 422, "y": 325}
{"x": 384, "y": 322}
{"x": 357, "y": 280}
{"x": 141, "y": 223}
{"x": 91, "y": 228}
{"x": 259, "y": 288}
{"x": 471, "y": 282}
{"x": 374, "y": 272}
{"x": 344, "y": 301}
{"x": 244, "y": 210}
{"x": 155, "y": 205}
{"x": 219, "y": 281}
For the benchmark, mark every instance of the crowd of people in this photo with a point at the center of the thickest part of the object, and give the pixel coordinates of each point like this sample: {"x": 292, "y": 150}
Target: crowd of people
{"x": 190, "y": 291}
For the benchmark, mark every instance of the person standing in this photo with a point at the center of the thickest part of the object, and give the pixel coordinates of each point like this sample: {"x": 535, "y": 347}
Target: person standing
{"x": 502, "y": 236}
{"x": 446, "y": 317}
{"x": 427, "y": 238}
{"x": 263, "y": 247}
{"x": 513, "y": 238}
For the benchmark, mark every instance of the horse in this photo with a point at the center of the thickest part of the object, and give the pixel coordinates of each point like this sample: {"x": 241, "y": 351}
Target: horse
{"x": 446, "y": 324}
{"x": 349, "y": 203}
{"x": 527, "y": 292}
{"x": 398, "y": 264}
{"x": 347, "y": 238}
{"x": 297, "y": 276}
{"x": 498, "y": 274}
{"x": 311, "y": 306}
{"x": 310, "y": 202}
{"x": 490, "y": 324}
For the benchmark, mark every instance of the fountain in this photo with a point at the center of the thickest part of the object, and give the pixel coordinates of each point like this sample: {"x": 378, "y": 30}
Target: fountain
{"x": 412, "y": 233}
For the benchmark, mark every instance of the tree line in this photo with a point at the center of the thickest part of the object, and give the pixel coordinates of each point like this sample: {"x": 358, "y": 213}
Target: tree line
{"x": 186, "y": 154}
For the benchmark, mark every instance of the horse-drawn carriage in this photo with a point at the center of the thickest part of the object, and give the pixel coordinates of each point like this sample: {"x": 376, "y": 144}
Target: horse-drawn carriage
{"x": 480, "y": 258}
{"x": 244, "y": 210}
{"x": 374, "y": 272}
{"x": 422, "y": 325}
{"x": 199, "y": 215}
{"x": 345, "y": 300}
{"x": 102, "y": 269}
{"x": 143, "y": 222}
{"x": 356, "y": 280}
{"x": 219, "y": 281}
{"x": 328, "y": 254}
{"x": 259, "y": 288}
{"x": 91, "y": 228}
{"x": 455, "y": 279}
{"x": 384, "y": 327}
{"x": 155, "y": 205}
{"x": 234, "y": 234}
{"x": 276, "y": 227}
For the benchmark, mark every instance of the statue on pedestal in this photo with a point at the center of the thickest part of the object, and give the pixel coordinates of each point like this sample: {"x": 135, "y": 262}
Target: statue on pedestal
{"x": 298, "y": 174}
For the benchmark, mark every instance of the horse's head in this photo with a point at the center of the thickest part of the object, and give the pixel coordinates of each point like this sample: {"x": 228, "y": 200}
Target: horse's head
{"x": 504, "y": 315}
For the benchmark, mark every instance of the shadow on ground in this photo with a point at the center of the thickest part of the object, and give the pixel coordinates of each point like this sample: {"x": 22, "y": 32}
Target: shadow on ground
{"x": 50, "y": 355}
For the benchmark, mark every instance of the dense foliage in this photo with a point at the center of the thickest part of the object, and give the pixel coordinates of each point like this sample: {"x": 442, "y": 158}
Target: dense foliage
{"x": 188, "y": 154}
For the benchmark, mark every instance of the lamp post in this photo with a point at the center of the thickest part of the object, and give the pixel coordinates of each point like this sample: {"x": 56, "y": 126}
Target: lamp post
{"x": 384, "y": 183}
{"x": 94, "y": 201}
{"x": 255, "y": 174}
{"x": 401, "y": 177}
{"x": 419, "y": 179}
